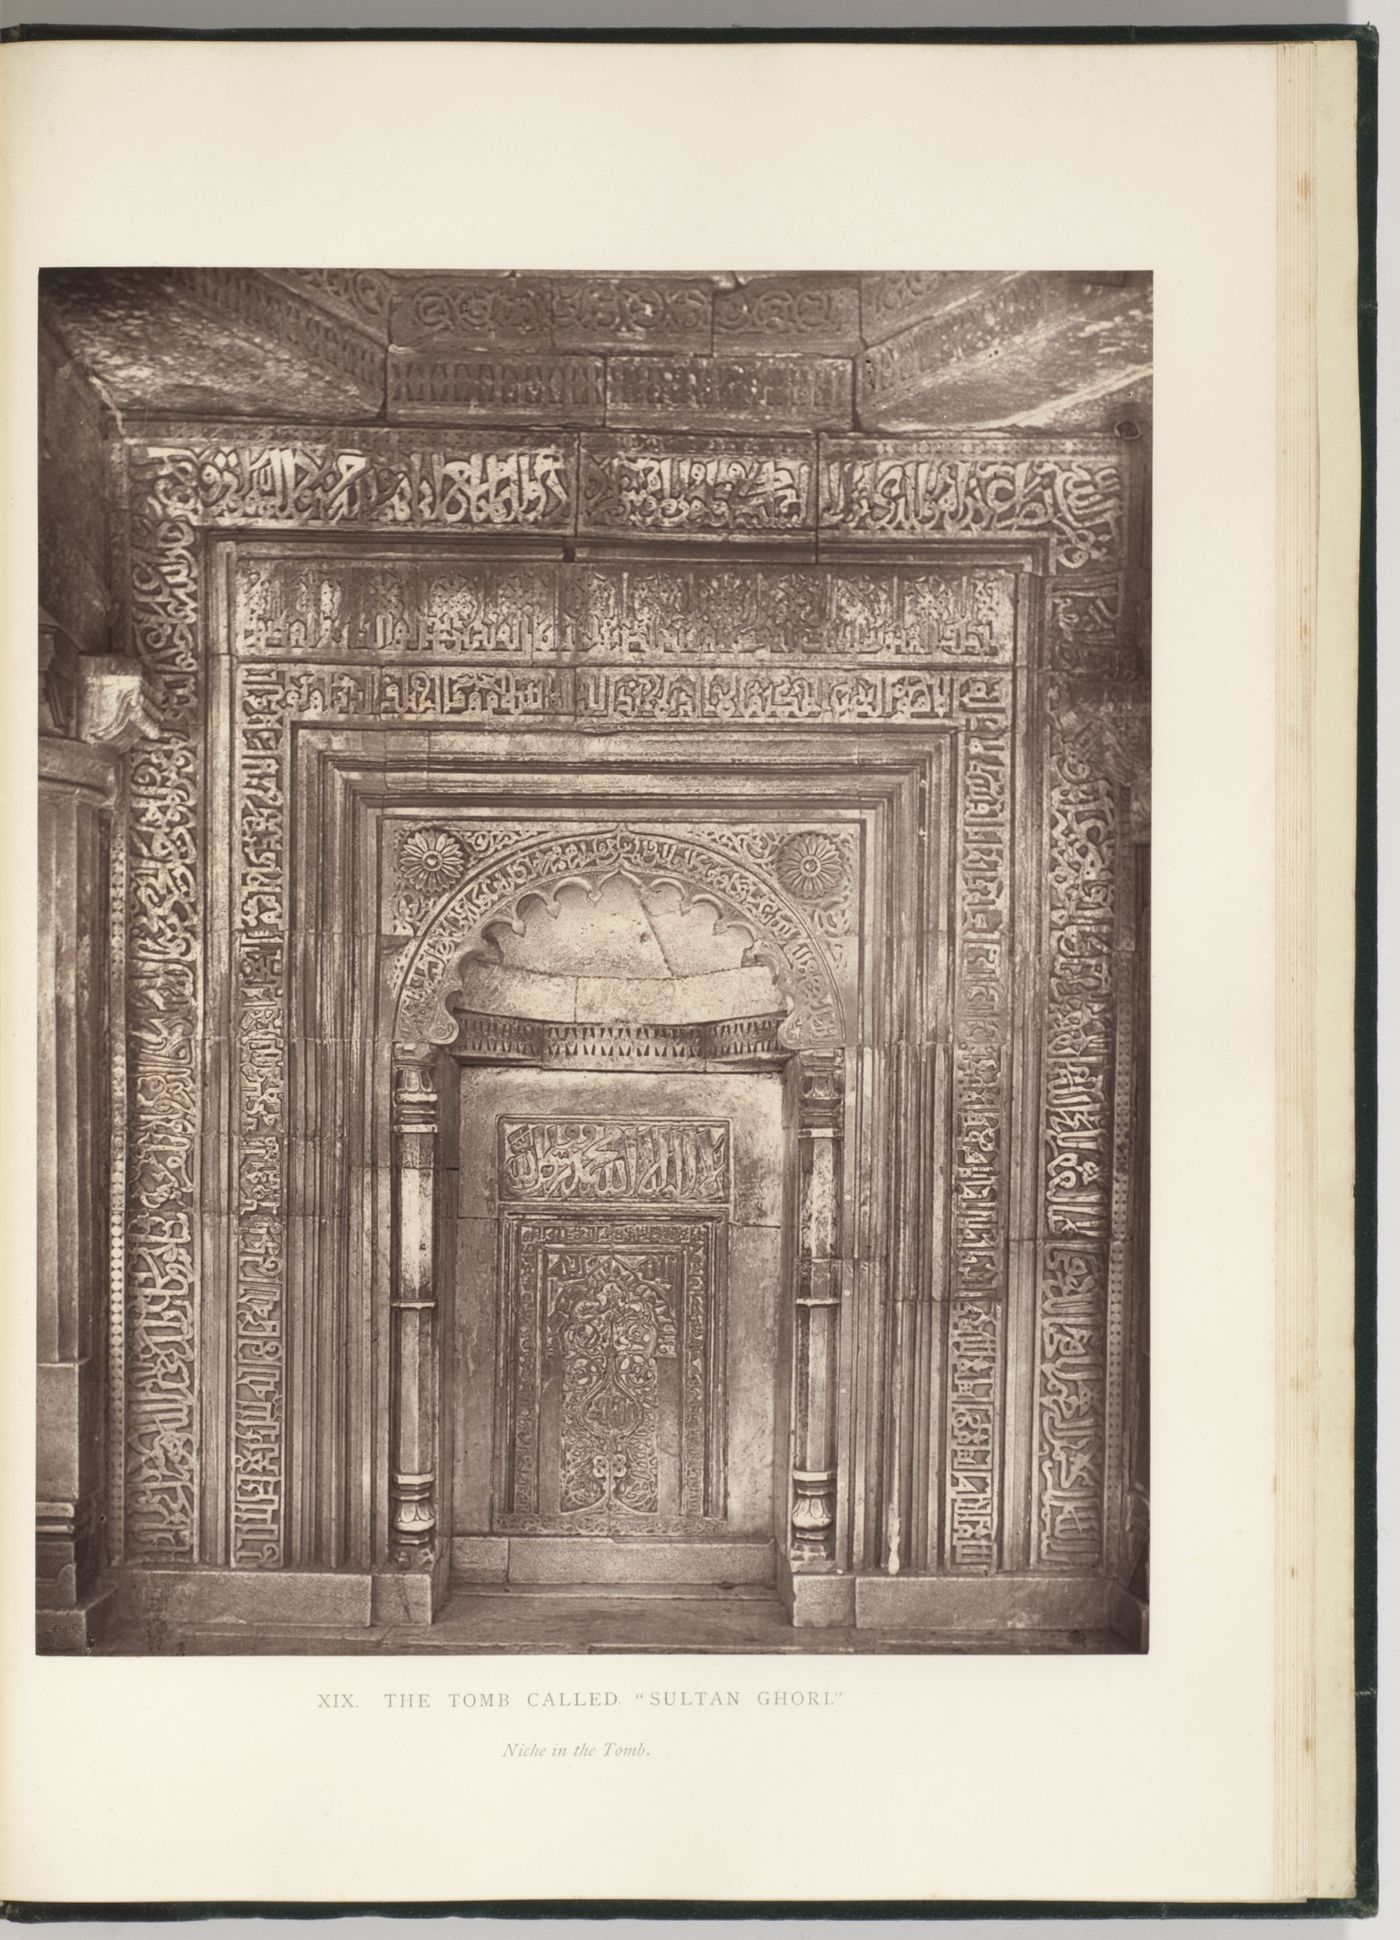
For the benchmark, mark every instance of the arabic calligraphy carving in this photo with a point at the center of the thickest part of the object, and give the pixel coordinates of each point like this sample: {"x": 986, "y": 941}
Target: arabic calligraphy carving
{"x": 666, "y": 1161}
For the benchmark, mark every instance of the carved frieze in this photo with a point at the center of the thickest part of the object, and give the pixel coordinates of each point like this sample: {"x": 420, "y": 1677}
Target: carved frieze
{"x": 1088, "y": 621}
{"x": 975, "y": 1336}
{"x": 465, "y": 312}
{"x": 1070, "y": 493}
{"x": 376, "y": 481}
{"x": 1077, "y": 1155}
{"x": 645, "y": 313}
{"x": 497, "y": 1039}
{"x": 1069, "y": 1411}
{"x": 788, "y": 695}
{"x": 367, "y": 608}
{"x": 361, "y": 296}
{"x": 370, "y": 609}
{"x": 438, "y": 692}
{"x": 1081, "y": 975}
{"x": 718, "y": 614}
{"x": 891, "y": 298}
{"x": 252, "y": 301}
{"x": 788, "y": 313}
{"x": 801, "y": 393}
{"x": 962, "y": 330}
{"x": 498, "y": 386}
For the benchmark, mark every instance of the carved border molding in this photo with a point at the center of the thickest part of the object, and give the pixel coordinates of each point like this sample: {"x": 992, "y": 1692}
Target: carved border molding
{"x": 1076, "y": 1324}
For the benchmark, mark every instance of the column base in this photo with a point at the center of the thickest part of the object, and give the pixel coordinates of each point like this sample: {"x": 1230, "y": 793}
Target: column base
{"x": 411, "y": 1596}
{"x": 820, "y": 1599}
{"x": 73, "y": 1628}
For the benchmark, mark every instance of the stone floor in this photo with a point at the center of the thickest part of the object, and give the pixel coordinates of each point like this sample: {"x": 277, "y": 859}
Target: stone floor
{"x": 643, "y": 1619}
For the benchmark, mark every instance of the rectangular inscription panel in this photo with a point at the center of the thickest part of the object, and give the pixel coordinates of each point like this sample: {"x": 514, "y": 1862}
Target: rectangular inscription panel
{"x": 671, "y": 1162}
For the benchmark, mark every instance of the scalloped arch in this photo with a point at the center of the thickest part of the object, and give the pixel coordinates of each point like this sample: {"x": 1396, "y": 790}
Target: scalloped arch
{"x": 741, "y": 898}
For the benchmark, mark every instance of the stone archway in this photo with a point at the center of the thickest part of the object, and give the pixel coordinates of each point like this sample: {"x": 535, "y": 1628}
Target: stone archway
{"x": 780, "y": 936}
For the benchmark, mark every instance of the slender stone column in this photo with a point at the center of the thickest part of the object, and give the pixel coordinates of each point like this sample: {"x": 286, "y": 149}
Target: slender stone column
{"x": 91, "y": 711}
{"x": 816, "y": 1332}
{"x": 413, "y": 1480}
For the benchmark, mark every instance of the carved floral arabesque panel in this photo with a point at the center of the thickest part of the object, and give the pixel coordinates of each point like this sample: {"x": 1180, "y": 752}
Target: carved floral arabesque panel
{"x": 377, "y": 484}
{"x": 610, "y": 1368}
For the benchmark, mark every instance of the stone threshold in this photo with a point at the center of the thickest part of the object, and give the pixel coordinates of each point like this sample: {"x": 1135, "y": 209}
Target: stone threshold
{"x": 645, "y": 1620}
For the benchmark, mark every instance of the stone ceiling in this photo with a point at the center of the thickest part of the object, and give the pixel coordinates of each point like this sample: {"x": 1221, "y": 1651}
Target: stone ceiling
{"x": 910, "y": 351}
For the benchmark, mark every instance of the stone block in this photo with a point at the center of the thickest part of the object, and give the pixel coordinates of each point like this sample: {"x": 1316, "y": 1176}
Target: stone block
{"x": 236, "y": 1596}
{"x": 410, "y": 1596}
{"x": 892, "y": 298}
{"x": 1066, "y": 492}
{"x": 75, "y": 1629}
{"x": 822, "y": 1602}
{"x": 566, "y": 1559}
{"x": 480, "y": 1559}
{"x": 981, "y": 1603}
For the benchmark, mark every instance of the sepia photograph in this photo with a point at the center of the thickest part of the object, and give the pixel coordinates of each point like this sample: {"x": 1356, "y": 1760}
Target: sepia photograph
{"x": 594, "y": 961}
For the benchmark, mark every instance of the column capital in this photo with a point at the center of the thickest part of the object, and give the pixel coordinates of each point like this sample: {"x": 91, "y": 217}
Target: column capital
{"x": 415, "y": 1097}
{"x": 821, "y": 1083}
{"x": 103, "y": 699}
{"x": 114, "y": 703}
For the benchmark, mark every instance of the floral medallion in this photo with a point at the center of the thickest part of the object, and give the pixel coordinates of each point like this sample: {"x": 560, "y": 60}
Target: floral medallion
{"x": 810, "y": 866}
{"x": 432, "y": 861}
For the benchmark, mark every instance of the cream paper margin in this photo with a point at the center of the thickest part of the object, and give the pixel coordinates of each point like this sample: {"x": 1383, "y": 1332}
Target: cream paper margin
{"x": 1012, "y": 1778}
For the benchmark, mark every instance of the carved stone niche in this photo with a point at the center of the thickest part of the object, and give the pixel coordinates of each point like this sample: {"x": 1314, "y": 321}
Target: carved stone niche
{"x": 621, "y": 950}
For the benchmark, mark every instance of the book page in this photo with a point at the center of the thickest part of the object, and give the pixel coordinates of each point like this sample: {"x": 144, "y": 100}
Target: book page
{"x": 1216, "y": 1765}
